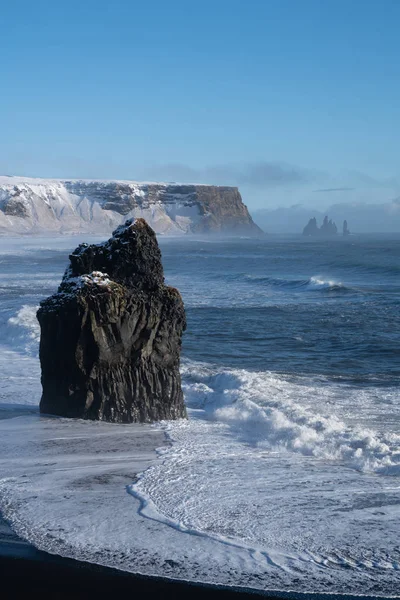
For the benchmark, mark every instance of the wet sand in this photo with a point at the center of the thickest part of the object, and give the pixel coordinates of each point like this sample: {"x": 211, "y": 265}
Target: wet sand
{"x": 26, "y": 571}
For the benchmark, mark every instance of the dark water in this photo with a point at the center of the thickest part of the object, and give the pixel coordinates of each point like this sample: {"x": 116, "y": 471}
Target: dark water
{"x": 291, "y": 305}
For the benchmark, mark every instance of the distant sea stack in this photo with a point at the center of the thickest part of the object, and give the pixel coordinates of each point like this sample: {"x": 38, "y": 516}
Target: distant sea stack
{"x": 111, "y": 336}
{"x": 69, "y": 206}
{"x": 346, "y": 230}
{"x": 327, "y": 229}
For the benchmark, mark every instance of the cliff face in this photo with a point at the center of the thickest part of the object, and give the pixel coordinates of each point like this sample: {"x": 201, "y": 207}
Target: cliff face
{"x": 69, "y": 206}
{"x": 111, "y": 336}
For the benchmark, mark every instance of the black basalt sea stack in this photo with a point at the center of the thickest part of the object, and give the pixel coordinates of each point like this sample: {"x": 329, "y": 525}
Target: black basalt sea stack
{"x": 111, "y": 336}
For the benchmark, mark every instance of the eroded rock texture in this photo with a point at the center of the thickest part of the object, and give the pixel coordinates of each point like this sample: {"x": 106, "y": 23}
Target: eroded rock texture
{"x": 111, "y": 336}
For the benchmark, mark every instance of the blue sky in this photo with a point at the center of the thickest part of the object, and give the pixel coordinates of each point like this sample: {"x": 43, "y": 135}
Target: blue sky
{"x": 280, "y": 97}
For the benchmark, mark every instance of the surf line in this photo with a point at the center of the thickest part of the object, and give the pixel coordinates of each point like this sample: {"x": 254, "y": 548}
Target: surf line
{"x": 148, "y": 510}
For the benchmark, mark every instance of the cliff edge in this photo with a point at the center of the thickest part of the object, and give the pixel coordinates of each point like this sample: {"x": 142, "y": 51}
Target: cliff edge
{"x": 74, "y": 206}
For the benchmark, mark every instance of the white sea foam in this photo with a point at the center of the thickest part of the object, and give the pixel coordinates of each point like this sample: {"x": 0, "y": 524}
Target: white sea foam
{"x": 26, "y": 318}
{"x": 276, "y": 412}
{"x": 249, "y": 493}
{"x": 212, "y": 508}
{"x": 319, "y": 281}
{"x": 22, "y": 331}
{"x": 256, "y": 469}
{"x": 314, "y": 283}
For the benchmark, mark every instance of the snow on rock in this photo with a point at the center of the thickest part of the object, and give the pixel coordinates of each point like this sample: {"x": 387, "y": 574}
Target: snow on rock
{"x": 29, "y": 205}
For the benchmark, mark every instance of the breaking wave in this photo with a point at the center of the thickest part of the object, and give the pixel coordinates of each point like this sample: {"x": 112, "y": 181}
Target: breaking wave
{"x": 315, "y": 283}
{"x": 23, "y": 329}
{"x": 266, "y": 463}
{"x": 266, "y": 409}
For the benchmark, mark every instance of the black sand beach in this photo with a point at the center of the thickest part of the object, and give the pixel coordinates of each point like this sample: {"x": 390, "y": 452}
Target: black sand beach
{"x": 26, "y": 571}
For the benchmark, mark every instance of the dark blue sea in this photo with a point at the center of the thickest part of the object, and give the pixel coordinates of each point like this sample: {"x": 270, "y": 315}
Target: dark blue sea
{"x": 328, "y": 307}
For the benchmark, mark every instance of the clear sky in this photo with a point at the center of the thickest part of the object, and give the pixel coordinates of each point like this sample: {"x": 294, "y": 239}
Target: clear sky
{"x": 280, "y": 97}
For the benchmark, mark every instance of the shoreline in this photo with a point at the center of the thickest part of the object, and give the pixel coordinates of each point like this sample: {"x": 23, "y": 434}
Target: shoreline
{"x": 25, "y": 570}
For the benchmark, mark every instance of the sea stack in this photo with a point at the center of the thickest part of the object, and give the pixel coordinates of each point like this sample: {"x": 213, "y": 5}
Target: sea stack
{"x": 311, "y": 228}
{"x": 111, "y": 336}
{"x": 327, "y": 228}
{"x": 346, "y": 230}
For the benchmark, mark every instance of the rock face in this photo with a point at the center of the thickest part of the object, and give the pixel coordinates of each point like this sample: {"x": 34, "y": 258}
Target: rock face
{"x": 328, "y": 228}
{"x": 111, "y": 336}
{"x": 67, "y": 206}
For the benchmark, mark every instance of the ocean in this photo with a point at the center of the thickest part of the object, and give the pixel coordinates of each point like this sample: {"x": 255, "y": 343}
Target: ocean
{"x": 286, "y": 476}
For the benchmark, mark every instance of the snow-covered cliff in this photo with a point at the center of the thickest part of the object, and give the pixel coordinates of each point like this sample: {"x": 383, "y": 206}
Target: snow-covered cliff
{"x": 30, "y": 205}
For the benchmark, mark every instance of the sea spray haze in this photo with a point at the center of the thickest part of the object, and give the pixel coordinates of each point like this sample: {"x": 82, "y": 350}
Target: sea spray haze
{"x": 286, "y": 474}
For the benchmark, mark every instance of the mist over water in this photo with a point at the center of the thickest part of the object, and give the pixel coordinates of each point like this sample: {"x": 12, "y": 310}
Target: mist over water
{"x": 287, "y": 472}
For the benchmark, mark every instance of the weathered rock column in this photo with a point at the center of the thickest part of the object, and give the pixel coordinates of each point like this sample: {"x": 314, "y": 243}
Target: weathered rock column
{"x": 111, "y": 336}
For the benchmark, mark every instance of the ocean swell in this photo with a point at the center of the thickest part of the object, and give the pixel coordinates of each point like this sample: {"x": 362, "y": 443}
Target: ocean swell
{"x": 314, "y": 283}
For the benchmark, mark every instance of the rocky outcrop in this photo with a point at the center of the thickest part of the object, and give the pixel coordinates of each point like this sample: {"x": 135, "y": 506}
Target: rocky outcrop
{"x": 346, "y": 230}
{"x": 328, "y": 228}
{"x": 111, "y": 336}
{"x": 311, "y": 228}
{"x": 15, "y": 206}
{"x": 67, "y": 206}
